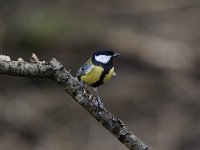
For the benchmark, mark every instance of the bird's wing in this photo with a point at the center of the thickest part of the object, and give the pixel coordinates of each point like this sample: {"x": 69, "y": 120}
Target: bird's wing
{"x": 84, "y": 69}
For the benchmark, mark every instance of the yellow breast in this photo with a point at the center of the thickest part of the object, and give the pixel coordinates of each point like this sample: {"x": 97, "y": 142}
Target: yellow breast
{"x": 95, "y": 75}
{"x": 109, "y": 75}
{"x": 92, "y": 76}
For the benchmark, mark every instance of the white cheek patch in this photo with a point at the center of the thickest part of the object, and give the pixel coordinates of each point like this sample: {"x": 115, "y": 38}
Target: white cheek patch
{"x": 103, "y": 58}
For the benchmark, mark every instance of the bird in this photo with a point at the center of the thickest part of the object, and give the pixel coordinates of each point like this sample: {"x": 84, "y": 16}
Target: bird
{"x": 97, "y": 70}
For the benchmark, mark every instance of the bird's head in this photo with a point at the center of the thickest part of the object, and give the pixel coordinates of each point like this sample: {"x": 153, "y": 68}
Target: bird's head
{"x": 104, "y": 56}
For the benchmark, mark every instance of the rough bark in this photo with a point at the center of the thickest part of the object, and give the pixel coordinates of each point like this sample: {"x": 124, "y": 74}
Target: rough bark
{"x": 54, "y": 70}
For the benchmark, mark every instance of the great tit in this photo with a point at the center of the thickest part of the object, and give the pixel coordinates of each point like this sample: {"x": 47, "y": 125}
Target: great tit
{"x": 97, "y": 70}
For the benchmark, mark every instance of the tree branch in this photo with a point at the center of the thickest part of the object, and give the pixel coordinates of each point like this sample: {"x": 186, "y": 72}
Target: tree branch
{"x": 54, "y": 70}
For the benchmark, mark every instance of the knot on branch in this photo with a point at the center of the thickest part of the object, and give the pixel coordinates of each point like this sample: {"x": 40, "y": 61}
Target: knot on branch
{"x": 56, "y": 64}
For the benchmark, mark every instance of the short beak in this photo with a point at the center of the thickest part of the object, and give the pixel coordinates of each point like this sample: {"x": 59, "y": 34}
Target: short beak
{"x": 116, "y": 55}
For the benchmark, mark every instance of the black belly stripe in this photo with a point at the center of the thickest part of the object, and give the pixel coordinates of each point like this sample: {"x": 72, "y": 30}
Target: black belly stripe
{"x": 100, "y": 81}
{"x": 106, "y": 68}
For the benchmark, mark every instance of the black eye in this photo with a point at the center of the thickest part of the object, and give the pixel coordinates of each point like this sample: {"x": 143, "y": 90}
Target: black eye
{"x": 104, "y": 52}
{"x": 109, "y": 53}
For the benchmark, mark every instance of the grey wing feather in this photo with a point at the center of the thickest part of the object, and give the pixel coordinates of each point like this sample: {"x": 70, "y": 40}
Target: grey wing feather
{"x": 84, "y": 70}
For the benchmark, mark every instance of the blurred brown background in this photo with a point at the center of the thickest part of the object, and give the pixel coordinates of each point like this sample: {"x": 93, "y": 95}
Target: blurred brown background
{"x": 156, "y": 91}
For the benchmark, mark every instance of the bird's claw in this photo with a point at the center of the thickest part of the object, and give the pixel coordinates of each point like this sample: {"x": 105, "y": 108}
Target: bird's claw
{"x": 100, "y": 103}
{"x": 81, "y": 85}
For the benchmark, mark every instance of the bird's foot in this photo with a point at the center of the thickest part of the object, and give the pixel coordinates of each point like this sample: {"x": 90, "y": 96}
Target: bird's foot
{"x": 81, "y": 85}
{"x": 99, "y": 101}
